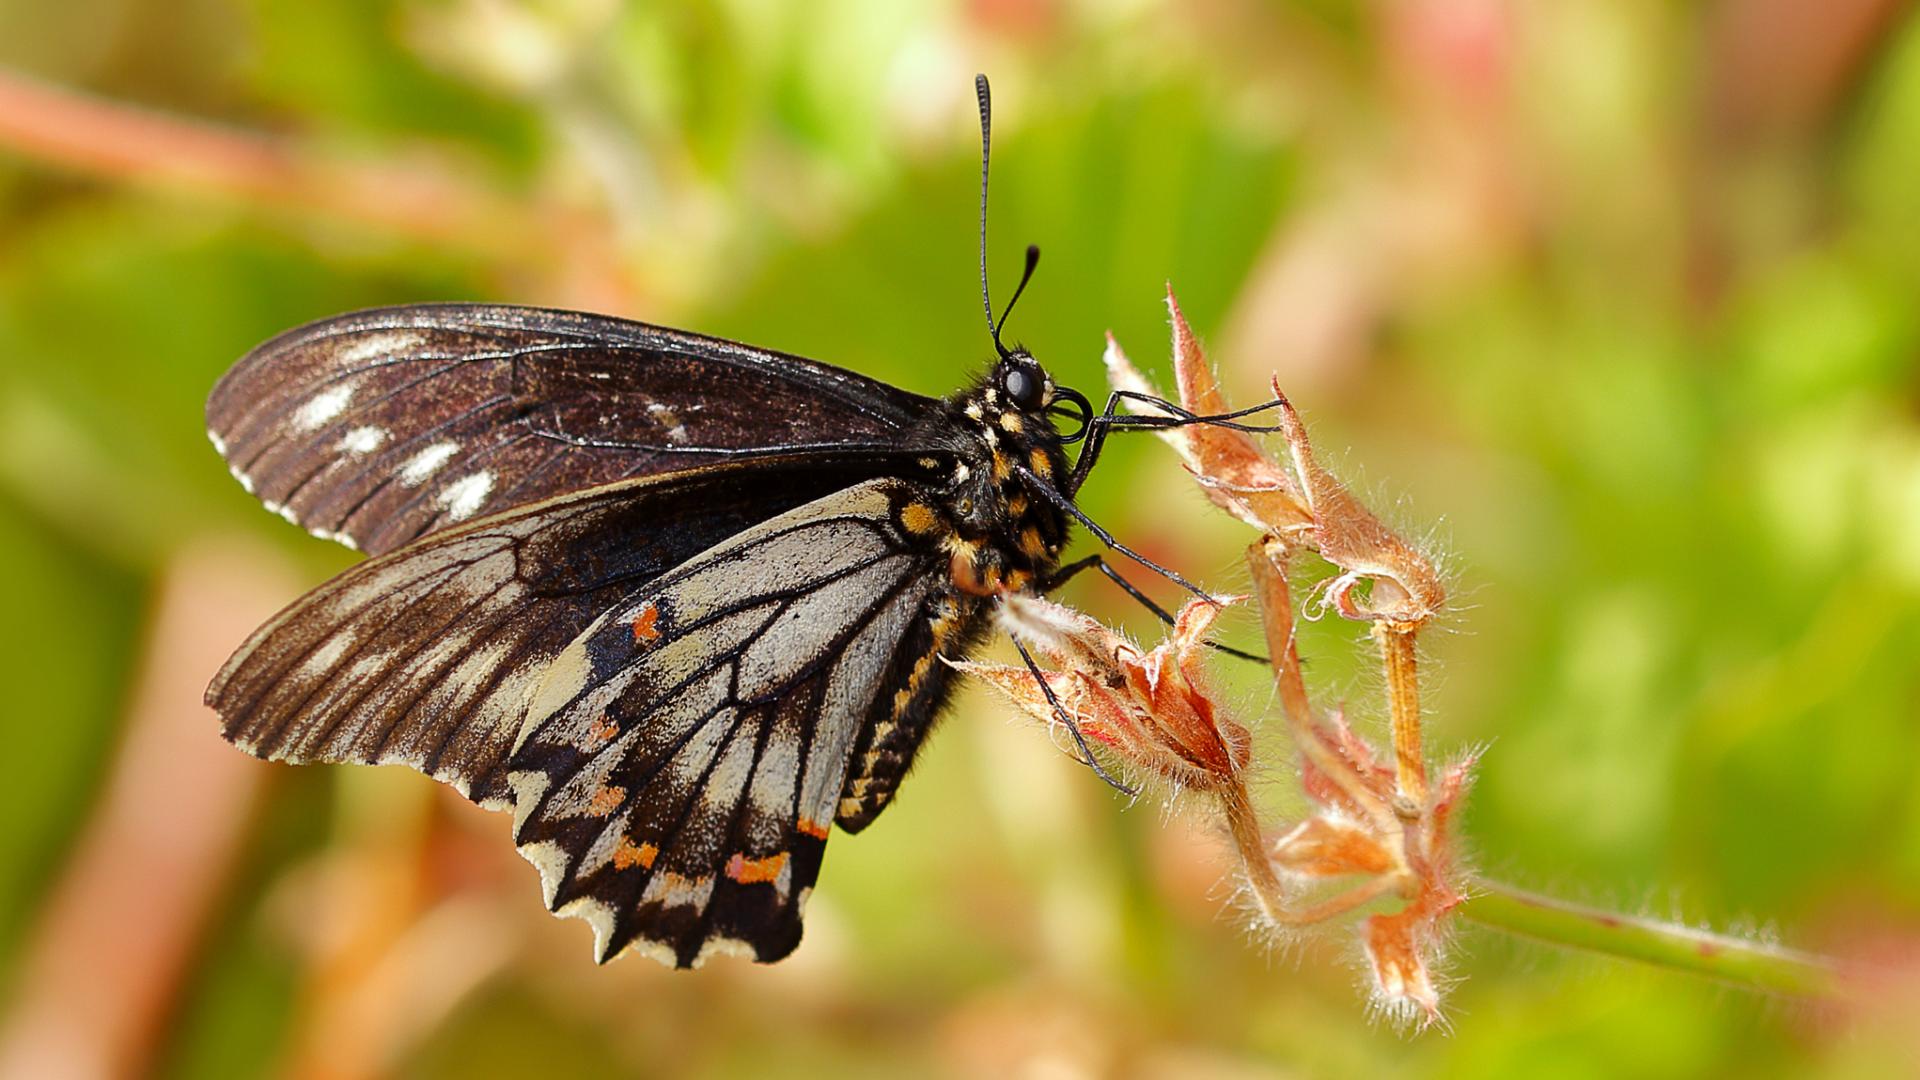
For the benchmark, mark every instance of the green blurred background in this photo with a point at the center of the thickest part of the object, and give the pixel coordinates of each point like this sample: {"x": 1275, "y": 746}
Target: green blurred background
{"x": 1614, "y": 300}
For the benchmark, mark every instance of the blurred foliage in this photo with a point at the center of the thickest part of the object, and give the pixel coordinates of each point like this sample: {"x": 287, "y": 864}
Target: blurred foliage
{"x": 1621, "y": 293}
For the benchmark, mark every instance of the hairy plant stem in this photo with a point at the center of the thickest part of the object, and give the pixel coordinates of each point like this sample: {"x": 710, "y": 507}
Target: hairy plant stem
{"x": 1268, "y": 561}
{"x": 1403, "y": 701}
{"x": 1749, "y": 965}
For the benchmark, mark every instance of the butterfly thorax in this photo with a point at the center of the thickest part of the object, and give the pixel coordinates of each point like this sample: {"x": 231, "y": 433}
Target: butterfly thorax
{"x": 1001, "y": 534}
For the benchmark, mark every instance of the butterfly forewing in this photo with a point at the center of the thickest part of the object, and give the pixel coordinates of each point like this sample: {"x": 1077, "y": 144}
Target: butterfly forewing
{"x": 379, "y": 427}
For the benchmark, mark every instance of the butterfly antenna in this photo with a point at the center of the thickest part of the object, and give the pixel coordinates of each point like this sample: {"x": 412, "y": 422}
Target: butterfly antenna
{"x": 985, "y": 97}
{"x": 1033, "y": 260}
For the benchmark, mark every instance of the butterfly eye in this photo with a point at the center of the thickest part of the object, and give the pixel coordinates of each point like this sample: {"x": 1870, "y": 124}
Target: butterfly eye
{"x": 1023, "y": 387}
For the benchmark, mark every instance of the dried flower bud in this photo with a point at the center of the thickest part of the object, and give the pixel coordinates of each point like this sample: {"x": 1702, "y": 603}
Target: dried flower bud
{"x": 1237, "y": 475}
{"x": 1324, "y": 847}
{"x": 1153, "y": 709}
{"x": 1242, "y": 479}
{"x": 1405, "y": 587}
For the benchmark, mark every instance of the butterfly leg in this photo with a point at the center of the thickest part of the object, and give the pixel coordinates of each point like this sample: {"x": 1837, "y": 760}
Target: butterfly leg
{"x": 1095, "y": 429}
{"x": 1098, "y": 562}
{"x": 1060, "y": 712}
{"x": 1065, "y": 504}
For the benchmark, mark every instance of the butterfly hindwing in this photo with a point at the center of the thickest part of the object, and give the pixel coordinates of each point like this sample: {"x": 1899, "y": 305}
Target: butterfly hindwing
{"x": 683, "y": 758}
{"x": 677, "y": 683}
{"x": 425, "y": 657}
{"x": 381, "y": 426}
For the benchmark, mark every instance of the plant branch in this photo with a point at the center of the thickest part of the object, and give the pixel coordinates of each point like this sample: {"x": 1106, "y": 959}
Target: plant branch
{"x": 1747, "y": 964}
{"x": 414, "y": 198}
{"x": 1403, "y": 700}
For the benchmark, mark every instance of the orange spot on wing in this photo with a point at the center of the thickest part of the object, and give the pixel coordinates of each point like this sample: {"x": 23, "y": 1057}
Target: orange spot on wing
{"x": 628, "y": 855}
{"x": 644, "y": 632}
{"x": 603, "y": 730}
{"x": 753, "y": 871}
{"x": 815, "y": 829}
{"x": 606, "y": 800}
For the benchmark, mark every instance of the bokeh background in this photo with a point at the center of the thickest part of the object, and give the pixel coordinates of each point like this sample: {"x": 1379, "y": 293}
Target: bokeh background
{"x": 1612, "y": 300}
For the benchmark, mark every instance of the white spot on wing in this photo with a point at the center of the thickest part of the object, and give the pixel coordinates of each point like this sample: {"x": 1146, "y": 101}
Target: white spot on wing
{"x": 464, "y": 497}
{"x": 363, "y": 440}
{"x": 666, "y": 418}
{"x": 654, "y": 950}
{"x": 551, "y": 860}
{"x": 219, "y": 444}
{"x": 528, "y": 786}
{"x": 323, "y": 407}
{"x": 595, "y": 914}
{"x": 381, "y": 344}
{"x": 427, "y": 462}
{"x": 721, "y": 946}
{"x": 328, "y": 654}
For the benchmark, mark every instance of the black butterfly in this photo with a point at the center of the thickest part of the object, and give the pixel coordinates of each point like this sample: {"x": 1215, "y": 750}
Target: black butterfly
{"x": 677, "y": 602}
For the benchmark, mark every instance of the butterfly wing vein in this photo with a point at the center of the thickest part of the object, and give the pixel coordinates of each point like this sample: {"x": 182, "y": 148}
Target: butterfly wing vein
{"x": 673, "y": 723}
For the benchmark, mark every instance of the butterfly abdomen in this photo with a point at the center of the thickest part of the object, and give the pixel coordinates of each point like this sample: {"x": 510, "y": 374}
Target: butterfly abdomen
{"x": 998, "y": 538}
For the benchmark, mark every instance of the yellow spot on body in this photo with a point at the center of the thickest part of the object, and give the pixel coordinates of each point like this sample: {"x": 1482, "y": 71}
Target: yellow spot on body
{"x": 627, "y": 855}
{"x": 1032, "y": 543}
{"x": 753, "y": 871}
{"x": 1016, "y": 505}
{"x": 973, "y": 410}
{"x": 1002, "y": 468}
{"x": 973, "y": 574}
{"x": 1011, "y": 422}
{"x": 919, "y": 518}
{"x": 1038, "y": 459}
{"x": 644, "y": 630}
{"x": 606, "y": 800}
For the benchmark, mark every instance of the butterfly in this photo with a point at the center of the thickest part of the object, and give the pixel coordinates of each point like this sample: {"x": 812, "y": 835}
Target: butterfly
{"x": 677, "y": 603}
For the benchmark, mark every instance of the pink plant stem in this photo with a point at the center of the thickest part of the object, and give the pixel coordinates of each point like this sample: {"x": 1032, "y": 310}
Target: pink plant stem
{"x": 111, "y": 954}
{"x": 415, "y": 198}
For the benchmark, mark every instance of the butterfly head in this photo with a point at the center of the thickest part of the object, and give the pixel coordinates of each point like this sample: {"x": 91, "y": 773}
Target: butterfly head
{"x": 1021, "y": 384}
